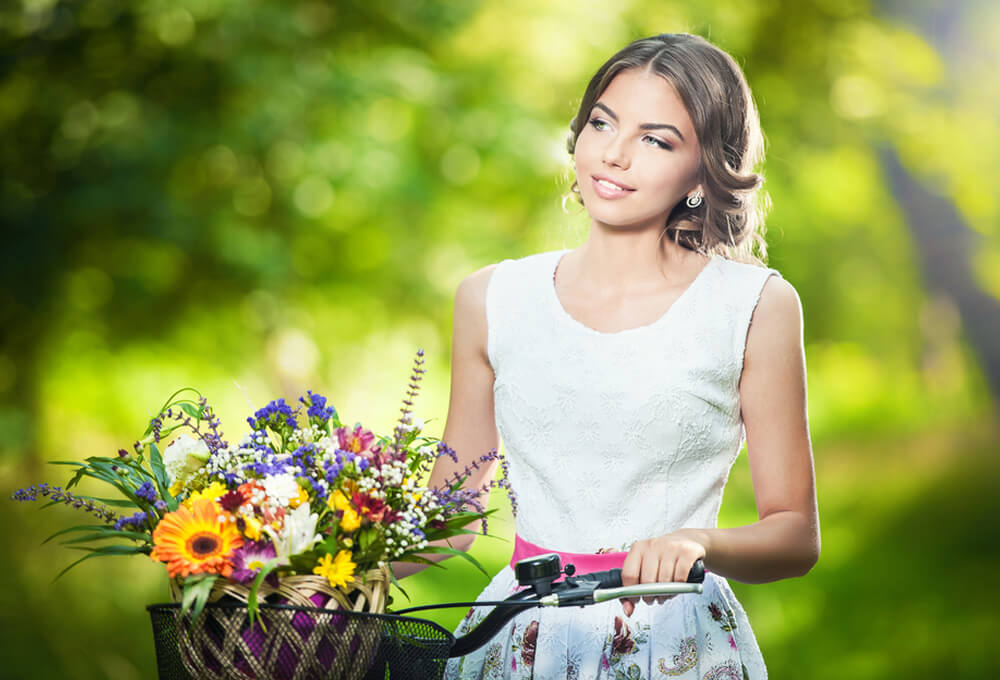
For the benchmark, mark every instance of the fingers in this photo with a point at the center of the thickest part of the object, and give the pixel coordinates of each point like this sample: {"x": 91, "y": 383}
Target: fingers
{"x": 664, "y": 559}
{"x": 630, "y": 576}
{"x": 654, "y": 567}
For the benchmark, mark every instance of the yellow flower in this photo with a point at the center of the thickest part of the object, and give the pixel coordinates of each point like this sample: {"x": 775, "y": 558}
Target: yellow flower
{"x": 176, "y": 488}
{"x": 338, "y": 501}
{"x": 192, "y": 540}
{"x": 303, "y": 497}
{"x": 351, "y": 520}
{"x": 338, "y": 570}
{"x": 251, "y": 528}
{"x": 212, "y": 492}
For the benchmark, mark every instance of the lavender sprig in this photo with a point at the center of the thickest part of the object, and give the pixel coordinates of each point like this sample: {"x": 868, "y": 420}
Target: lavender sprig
{"x": 404, "y": 426}
{"x": 56, "y": 494}
{"x": 212, "y": 437}
{"x": 451, "y": 494}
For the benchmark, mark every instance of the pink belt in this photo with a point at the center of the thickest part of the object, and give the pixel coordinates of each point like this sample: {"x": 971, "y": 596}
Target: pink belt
{"x": 584, "y": 562}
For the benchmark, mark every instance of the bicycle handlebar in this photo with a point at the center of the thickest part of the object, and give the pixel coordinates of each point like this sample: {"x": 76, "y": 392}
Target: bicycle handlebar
{"x": 612, "y": 578}
{"x": 579, "y": 590}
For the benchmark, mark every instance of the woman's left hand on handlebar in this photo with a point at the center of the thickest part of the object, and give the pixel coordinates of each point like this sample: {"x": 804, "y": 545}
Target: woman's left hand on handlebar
{"x": 661, "y": 559}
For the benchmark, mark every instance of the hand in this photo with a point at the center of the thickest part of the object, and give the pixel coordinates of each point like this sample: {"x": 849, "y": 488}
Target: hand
{"x": 662, "y": 559}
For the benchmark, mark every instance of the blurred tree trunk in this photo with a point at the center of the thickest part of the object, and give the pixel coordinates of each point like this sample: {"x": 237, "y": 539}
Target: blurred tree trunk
{"x": 945, "y": 243}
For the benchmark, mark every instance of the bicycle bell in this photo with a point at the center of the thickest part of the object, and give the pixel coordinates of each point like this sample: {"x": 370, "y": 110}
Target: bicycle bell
{"x": 539, "y": 572}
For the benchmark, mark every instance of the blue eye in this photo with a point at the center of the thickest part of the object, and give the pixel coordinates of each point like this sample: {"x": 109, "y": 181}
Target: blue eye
{"x": 658, "y": 142}
{"x": 596, "y": 123}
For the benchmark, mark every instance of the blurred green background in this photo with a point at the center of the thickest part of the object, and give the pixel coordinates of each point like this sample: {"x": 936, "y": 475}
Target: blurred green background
{"x": 257, "y": 197}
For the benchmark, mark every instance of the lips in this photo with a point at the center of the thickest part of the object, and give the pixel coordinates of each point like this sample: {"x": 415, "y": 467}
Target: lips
{"x": 618, "y": 184}
{"x": 605, "y": 187}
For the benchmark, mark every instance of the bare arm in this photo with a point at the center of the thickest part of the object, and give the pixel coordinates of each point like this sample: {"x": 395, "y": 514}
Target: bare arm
{"x": 785, "y": 541}
{"x": 470, "y": 429}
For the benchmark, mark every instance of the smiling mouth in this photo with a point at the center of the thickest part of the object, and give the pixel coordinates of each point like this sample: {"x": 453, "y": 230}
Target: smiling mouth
{"x": 608, "y": 189}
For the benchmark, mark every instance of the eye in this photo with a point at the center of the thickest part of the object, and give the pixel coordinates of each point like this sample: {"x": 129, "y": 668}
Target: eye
{"x": 598, "y": 124}
{"x": 660, "y": 143}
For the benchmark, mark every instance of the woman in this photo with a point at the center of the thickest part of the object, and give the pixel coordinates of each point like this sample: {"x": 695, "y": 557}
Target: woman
{"x": 624, "y": 374}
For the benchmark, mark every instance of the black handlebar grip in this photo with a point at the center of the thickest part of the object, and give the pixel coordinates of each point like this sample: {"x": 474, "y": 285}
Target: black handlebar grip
{"x": 612, "y": 578}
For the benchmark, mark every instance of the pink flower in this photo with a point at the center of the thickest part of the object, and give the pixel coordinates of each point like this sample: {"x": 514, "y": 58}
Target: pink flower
{"x": 374, "y": 509}
{"x": 359, "y": 441}
{"x": 528, "y": 644}
{"x": 732, "y": 642}
{"x": 622, "y": 642}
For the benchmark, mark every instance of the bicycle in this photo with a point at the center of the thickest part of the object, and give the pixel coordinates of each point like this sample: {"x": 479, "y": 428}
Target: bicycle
{"x": 362, "y": 646}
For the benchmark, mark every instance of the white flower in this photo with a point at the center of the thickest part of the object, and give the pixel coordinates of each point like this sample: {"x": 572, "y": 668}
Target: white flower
{"x": 281, "y": 489}
{"x": 184, "y": 456}
{"x": 298, "y": 534}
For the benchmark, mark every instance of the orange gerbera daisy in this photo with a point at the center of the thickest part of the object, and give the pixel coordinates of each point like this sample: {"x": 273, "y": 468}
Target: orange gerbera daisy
{"x": 196, "y": 540}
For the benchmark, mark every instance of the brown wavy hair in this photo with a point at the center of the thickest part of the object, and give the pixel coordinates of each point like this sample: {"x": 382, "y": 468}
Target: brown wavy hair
{"x": 730, "y": 219}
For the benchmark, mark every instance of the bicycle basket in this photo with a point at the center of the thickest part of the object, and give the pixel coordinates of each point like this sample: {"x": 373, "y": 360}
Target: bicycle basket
{"x": 295, "y": 643}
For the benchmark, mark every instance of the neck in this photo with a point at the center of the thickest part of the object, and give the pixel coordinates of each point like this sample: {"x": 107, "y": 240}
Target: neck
{"x": 623, "y": 260}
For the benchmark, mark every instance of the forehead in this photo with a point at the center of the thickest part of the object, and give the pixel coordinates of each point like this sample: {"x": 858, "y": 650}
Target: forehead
{"x": 640, "y": 96}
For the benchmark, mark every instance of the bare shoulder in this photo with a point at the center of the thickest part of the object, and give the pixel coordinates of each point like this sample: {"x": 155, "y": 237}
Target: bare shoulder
{"x": 779, "y": 310}
{"x": 469, "y": 322}
{"x": 470, "y": 297}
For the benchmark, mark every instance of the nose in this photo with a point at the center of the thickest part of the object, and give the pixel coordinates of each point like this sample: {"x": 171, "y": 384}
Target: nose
{"x": 615, "y": 153}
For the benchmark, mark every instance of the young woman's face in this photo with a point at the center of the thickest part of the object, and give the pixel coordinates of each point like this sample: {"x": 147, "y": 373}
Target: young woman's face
{"x": 638, "y": 154}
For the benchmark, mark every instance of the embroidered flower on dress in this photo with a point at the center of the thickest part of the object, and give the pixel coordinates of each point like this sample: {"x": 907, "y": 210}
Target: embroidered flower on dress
{"x": 684, "y": 660}
{"x": 528, "y": 644}
{"x": 621, "y": 642}
{"x": 730, "y": 670}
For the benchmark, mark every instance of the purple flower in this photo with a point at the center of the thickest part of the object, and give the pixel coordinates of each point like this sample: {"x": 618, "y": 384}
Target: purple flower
{"x": 318, "y": 409}
{"x": 275, "y": 415}
{"x": 146, "y": 492}
{"x": 136, "y": 521}
{"x": 250, "y": 558}
{"x": 57, "y": 495}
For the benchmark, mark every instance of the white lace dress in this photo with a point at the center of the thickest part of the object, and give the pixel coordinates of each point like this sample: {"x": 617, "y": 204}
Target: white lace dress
{"x": 611, "y": 438}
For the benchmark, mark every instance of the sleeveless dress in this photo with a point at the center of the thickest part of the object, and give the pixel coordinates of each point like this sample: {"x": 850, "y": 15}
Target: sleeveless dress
{"x": 611, "y": 438}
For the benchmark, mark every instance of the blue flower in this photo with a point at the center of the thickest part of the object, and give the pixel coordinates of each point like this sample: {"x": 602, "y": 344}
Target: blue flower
{"x": 317, "y": 407}
{"x": 276, "y": 414}
{"x": 136, "y": 521}
{"x": 146, "y": 492}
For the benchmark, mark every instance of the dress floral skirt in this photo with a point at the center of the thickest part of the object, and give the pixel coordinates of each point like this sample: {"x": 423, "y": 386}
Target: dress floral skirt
{"x": 703, "y": 636}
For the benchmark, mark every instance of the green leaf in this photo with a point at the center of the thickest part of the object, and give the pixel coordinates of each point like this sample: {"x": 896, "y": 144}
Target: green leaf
{"x": 395, "y": 582}
{"x": 304, "y": 562}
{"x": 417, "y": 559}
{"x": 167, "y": 404}
{"x": 192, "y": 410}
{"x": 106, "y": 551}
{"x": 80, "y": 527}
{"x": 100, "y": 535}
{"x": 366, "y": 538}
{"x": 270, "y": 566}
{"x": 196, "y": 592}
{"x": 440, "y": 549}
{"x": 111, "y": 502}
{"x": 443, "y": 534}
{"x": 161, "y": 477}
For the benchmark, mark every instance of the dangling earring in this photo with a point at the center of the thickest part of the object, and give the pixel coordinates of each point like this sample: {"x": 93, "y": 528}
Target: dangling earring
{"x": 693, "y": 201}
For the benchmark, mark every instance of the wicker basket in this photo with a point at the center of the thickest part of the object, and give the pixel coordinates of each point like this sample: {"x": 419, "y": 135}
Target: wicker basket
{"x": 221, "y": 644}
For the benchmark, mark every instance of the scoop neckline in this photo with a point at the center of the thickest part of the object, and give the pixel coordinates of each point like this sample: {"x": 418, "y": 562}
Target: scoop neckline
{"x": 573, "y": 321}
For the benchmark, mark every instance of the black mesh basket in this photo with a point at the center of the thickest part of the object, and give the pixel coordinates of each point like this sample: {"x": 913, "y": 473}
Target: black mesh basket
{"x": 295, "y": 643}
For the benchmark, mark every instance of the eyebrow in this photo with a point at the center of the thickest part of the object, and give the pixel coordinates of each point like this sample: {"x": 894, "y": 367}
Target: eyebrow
{"x": 644, "y": 126}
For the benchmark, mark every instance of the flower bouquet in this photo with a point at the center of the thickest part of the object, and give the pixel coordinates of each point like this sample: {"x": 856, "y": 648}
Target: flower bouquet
{"x": 304, "y": 513}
